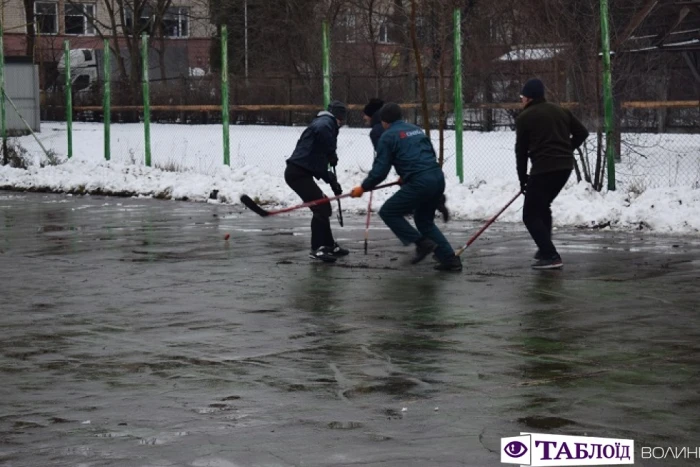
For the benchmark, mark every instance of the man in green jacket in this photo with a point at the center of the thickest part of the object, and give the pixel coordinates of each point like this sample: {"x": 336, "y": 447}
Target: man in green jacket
{"x": 406, "y": 147}
{"x": 548, "y": 135}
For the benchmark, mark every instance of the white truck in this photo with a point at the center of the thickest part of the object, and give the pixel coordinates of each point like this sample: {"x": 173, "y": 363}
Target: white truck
{"x": 87, "y": 66}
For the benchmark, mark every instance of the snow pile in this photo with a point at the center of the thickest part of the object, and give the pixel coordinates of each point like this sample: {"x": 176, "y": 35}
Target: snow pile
{"x": 648, "y": 160}
{"x": 661, "y": 209}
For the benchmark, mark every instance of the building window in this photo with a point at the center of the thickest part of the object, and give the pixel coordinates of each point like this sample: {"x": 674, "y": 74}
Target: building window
{"x": 79, "y": 19}
{"x": 422, "y": 28}
{"x": 176, "y": 22}
{"x": 384, "y": 28}
{"x": 348, "y": 28}
{"x": 500, "y": 32}
{"x": 46, "y": 17}
{"x": 144, "y": 22}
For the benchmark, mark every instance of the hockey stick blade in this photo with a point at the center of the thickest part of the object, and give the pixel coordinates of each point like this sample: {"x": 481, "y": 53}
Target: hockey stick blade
{"x": 486, "y": 226}
{"x": 253, "y": 206}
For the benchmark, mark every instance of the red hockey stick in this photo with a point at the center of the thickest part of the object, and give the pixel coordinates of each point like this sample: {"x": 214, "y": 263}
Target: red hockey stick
{"x": 491, "y": 221}
{"x": 255, "y": 207}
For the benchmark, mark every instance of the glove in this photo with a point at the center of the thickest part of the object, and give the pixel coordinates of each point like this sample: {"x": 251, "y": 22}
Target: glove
{"x": 333, "y": 182}
{"x": 333, "y": 159}
{"x": 523, "y": 185}
{"x": 357, "y": 192}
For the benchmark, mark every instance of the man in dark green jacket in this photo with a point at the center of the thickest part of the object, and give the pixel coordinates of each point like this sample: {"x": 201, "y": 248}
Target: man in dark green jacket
{"x": 405, "y": 147}
{"x": 547, "y": 135}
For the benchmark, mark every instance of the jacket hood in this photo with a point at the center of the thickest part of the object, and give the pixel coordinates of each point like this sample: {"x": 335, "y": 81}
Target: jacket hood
{"x": 325, "y": 113}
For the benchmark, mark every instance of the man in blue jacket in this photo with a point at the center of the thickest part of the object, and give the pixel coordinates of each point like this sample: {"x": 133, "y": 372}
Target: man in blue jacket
{"x": 409, "y": 150}
{"x": 372, "y": 118}
{"x": 314, "y": 152}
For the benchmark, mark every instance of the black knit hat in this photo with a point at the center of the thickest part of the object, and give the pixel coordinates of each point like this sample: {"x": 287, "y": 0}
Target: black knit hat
{"x": 373, "y": 106}
{"x": 534, "y": 89}
{"x": 338, "y": 109}
{"x": 390, "y": 113}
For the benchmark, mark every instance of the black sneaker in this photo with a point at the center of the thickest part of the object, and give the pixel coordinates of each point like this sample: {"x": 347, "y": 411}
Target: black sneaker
{"x": 442, "y": 208}
{"x": 552, "y": 263}
{"x": 453, "y": 264}
{"x": 337, "y": 250}
{"x": 424, "y": 247}
{"x": 323, "y": 254}
{"x": 538, "y": 255}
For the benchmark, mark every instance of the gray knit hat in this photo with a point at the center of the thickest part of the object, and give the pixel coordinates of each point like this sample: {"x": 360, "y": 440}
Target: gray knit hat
{"x": 338, "y": 109}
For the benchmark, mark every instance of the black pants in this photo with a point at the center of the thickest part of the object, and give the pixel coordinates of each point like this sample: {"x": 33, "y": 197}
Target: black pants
{"x": 303, "y": 183}
{"x": 542, "y": 189}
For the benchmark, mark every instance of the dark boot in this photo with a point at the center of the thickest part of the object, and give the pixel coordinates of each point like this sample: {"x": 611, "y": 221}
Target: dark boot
{"x": 424, "y": 247}
{"x": 554, "y": 262}
{"x": 338, "y": 250}
{"x": 324, "y": 254}
{"x": 453, "y": 264}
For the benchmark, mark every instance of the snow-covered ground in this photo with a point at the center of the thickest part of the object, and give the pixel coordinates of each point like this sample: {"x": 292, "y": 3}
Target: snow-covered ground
{"x": 658, "y": 188}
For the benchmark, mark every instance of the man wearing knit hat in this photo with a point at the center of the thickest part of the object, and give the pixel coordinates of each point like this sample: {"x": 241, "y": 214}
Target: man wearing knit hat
{"x": 371, "y": 118}
{"x": 315, "y": 151}
{"x": 547, "y": 135}
{"x": 406, "y": 147}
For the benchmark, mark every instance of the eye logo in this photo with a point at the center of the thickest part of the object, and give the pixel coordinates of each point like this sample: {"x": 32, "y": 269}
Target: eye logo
{"x": 515, "y": 449}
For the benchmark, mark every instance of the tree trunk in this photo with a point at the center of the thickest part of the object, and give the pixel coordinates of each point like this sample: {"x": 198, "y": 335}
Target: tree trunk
{"x": 419, "y": 68}
{"x": 598, "y": 180}
{"x": 31, "y": 30}
{"x": 441, "y": 89}
{"x": 161, "y": 60}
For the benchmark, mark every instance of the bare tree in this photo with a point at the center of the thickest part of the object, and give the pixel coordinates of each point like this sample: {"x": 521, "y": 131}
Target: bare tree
{"x": 125, "y": 22}
{"x": 31, "y": 30}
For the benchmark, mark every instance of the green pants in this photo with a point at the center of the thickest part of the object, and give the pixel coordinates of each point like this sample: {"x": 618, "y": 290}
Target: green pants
{"x": 420, "y": 196}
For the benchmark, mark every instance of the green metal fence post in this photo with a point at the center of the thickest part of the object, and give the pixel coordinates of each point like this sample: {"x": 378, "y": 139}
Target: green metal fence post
{"x": 107, "y": 99}
{"x": 459, "y": 117}
{"x": 69, "y": 97}
{"x": 146, "y": 100}
{"x": 224, "y": 94}
{"x": 326, "y": 66}
{"x": 3, "y": 116}
{"x": 607, "y": 94}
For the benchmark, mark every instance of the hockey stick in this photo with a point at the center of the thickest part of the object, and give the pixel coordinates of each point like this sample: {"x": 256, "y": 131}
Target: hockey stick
{"x": 491, "y": 221}
{"x": 340, "y": 209}
{"x": 255, "y": 207}
{"x": 369, "y": 214}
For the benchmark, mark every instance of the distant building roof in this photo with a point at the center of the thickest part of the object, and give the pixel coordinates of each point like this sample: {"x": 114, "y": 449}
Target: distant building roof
{"x": 537, "y": 53}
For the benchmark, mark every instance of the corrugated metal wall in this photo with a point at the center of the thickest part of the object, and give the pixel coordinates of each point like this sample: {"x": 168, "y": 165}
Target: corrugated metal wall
{"x": 22, "y": 86}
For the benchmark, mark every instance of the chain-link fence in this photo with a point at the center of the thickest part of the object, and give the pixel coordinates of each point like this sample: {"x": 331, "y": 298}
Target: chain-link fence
{"x": 373, "y": 51}
{"x": 658, "y": 145}
{"x": 657, "y": 140}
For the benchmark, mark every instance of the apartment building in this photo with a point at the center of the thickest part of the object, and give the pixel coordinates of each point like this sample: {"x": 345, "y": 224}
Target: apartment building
{"x": 181, "y": 24}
